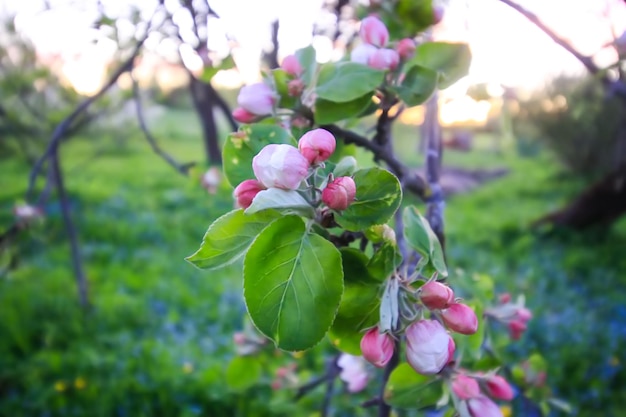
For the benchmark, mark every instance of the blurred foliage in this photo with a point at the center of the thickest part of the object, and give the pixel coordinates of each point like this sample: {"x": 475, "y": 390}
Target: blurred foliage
{"x": 578, "y": 121}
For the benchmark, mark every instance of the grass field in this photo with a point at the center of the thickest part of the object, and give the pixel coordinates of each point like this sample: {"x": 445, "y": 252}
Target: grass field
{"x": 159, "y": 336}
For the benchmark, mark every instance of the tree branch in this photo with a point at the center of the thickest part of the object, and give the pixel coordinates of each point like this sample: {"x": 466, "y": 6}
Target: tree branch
{"x": 435, "y": 201}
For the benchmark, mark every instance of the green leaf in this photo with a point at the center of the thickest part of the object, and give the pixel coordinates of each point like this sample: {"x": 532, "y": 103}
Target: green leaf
{"x": 307, "y": 58}
{"x": 450, "y": 60}
{"x": 418, "y": 85}
{"x": 360, "y": 303}
{"x": 378, "y": 196}
{"x": 293, "y": 283}
{"x": 209, "y": 71}
{"x": 346, "y": 81}
{"x": 242, "y": 373}
{"x": 422, "y": 239}
{"x": 327, "y": 111}
{"x": 408, "y": 389}
{"x": 384, "y": 261}
{"x": 240, "y": 147}
{"x": 281, "y": 80}
{"x": 284, "y": 201}
{"x": 229, "y": 237}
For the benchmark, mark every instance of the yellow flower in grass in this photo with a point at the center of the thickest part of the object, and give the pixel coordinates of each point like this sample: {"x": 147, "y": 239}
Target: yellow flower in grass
{"x": 60, "y": 386}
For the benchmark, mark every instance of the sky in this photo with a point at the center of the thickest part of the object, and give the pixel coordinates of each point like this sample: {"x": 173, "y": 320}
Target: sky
{"x": 506, "y": 48}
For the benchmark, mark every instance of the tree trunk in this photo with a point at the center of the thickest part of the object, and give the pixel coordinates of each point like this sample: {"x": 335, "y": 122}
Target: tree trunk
{"x": 203, "y": 97}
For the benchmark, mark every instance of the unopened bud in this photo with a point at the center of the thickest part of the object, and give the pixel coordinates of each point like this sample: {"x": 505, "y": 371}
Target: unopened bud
{"x": 243, "y": 116}
{"x": 465, "y": 387}
{"x": 516, "y": 329}
{"x": 377, "y": 348}
{"x": 483, "y": 407}
{"x": 352, "y": 372}
{"x": 339, "y": 193}
{"x": 246, "y": 191}
{"x": 427, "y": 346}
{"x": 460, "y": 318}
{"x": 499, "y": 388}
{"x": 211, "y": 179}
{"x": 374, "y": 32}
{"x": 436, "y": 295}
{"x": 384, "y": 59}
{"x": 406, "y": 48}
{"x": 317, "y": 145}
{"x": 257, "y": 99}
{"x": 280, "y": 166}
{"x": 362, "y": 53}
{"x": 295, "y": 87}
{"x": 438, "y": 12}
{"x": 292, "y": 66}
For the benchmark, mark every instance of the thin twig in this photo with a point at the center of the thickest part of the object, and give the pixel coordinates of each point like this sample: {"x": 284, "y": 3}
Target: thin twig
{"x": 181, "y": 168}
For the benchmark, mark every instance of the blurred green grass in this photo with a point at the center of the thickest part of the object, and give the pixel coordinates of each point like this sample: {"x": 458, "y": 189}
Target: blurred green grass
{"x": 159, "y": 336}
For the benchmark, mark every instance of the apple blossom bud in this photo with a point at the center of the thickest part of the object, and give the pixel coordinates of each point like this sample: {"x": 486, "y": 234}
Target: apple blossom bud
{"x": 504, "y": 298}
{"x": 243, "y": 116}
{"x": 239, "y": 338}
{"x": 384, "y": 59}
{"x": 295, "y": 87}
{"x": 499, "y": 388}
{"x": 377, "y": 348}
{"x": 406, "y": 48}
{"x": 438, "y": 12}
{"x": 427, "y": 346}
{"x": 317, "y": 145}
{"x": 211, "y": 180}
{"x": 460, "y": 318}
{"x": 523, "y": 314}
{"x": 257, "y": 99}
{"x": 362, "y": 53}
{"x": 280, "y": 166}
{"x": 276, "y": 385}
{"x": 436, "y": 295}
{"x": 465, "y": 387}
{"x": 26, "y": 212}
{"x": 374, "y": 32}
{"x": 352, "y": 372}
{"x": 246, "y": 191}
{"x": 339, "y": 193}
{"x": 451, "y": 349}
{"x": 516, "y": 328}
{"x": 483, "y": 407}
{"x": 292, "y": 66}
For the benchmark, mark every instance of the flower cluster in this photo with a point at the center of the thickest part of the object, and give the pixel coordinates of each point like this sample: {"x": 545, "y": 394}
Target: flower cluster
{"x": 514, "y": 315}
{"x": 288, "y": 168}
{"x": 479, "y": 403}
{"x": 373, "y": 51}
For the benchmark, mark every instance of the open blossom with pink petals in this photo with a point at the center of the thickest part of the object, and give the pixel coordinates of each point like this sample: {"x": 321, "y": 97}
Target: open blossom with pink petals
{"x": 377, "y": 348}
{"x": 465, "y": 387}
{"x": 317, "y": 145}
{"x": 374, "y": 32}
{"x": 460, "y": 318}
{"x": 499, "y": 388}
{"x": 427, "y": 346}
{"x": 339, "y": 193}
{"x": 280, "y": 166}
{"x": 436, "y": 295}
{"x": 353, "y": 372}
{"x": 246, "y": 191}
{"x": 482, "y": 406}
{"x": 257, "y": 99}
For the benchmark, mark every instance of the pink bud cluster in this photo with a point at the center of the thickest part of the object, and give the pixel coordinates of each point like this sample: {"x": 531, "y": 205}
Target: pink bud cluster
{"x": 514, "y": 315}
{"x": 292, "y": 67}
{"x": 468, "y": 388}
{"x": 457, "y": 317}
{"x": 373, "y": 51}
{"x": 286, "y": 167}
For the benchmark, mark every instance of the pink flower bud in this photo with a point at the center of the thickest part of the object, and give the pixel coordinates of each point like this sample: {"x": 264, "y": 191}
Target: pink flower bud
{"x": 339, "y": 193}
{"x": 211, "y": 180}
{"x": 239, "y": 338}
{"x": 257, "y": 99}
{"x": 295, "y": 87}
{"x": 483, "y": 407}
{"x": 292, "y": 66}
{"x": 243, "y": 116}
{"x": 438, "y": 12}
{"x": 516, "y": 329}
{"x": 384, "y": 59}
{"x": 317, "y": 145}
{"x": 427, "y": 346}
{"x": 406, "y": 48}
{"x": 504, "y": 298}
{"x": 523, "y": 314}
{"x": 352, "y": 372}
{"x": 246, "y": 191}
{"x": 26, "y": 212}
{"x": 499, "y": 388}
{"x": 377, "y": 348}
{"x": 451, "y": 349}
{"x": 374, "y": 32}
{"x": 436, "y": 295}
{"x": 465, "y": 387}
{"x": 362, "y": 53}
{"x": 460, "y": 318}
{"x": 280, "y": 166}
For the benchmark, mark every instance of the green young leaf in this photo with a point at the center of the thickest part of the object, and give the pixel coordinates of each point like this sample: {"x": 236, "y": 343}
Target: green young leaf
{"x": 418, "y": 85}
{"x": 284, "y": 201}
{"x": 378, "y": 195}
{"x": 229, "y": 237}
{"x": 346, "y": 81}
{"x": 408, "y": 389}
{"x": 360, "y": 303}
{"x": 242, "y": 146}
{"x": 307, "y": 58}
{"x": 293, "y": 283}
{"x": 209, "y": 71}
{"x": 327, "y": 111}
{"x": 384, "y": 261}
{"x": 281, "y": 80}
{"x": 421, "y": 238}
{"x": 242, "y": 373}
{"x": 450, "y": 60}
